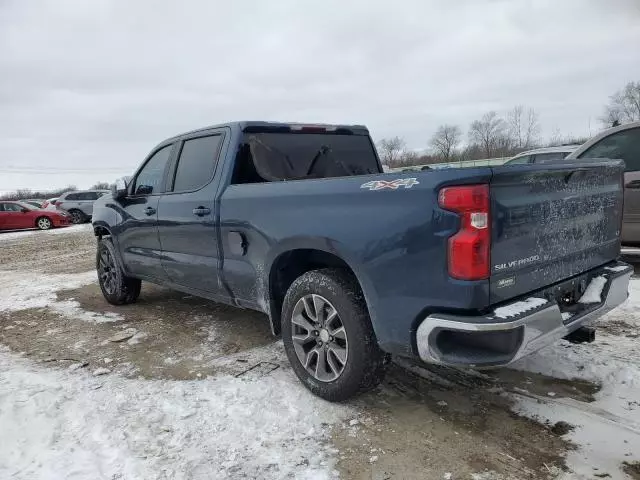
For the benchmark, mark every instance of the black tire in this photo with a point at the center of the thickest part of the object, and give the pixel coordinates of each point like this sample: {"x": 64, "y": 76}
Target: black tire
{"x": 365, "y": 362}
{"x": 77, "y": 217}
{"x": 44, "y": 223}
{"x": 117, "y": 288}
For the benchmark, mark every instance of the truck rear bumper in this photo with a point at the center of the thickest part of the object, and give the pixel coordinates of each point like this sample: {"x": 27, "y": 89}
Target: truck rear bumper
{"x": 491, "y": 340}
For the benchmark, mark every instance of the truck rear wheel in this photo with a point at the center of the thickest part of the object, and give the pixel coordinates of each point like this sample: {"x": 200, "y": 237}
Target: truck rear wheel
{"x": 117, "y": 288}
{"x": 328, "y": 336}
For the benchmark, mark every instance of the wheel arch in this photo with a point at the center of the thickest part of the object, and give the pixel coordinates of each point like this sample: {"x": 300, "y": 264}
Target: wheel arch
{"x": 101, "y": 229}
{"x": 291, "y": 261}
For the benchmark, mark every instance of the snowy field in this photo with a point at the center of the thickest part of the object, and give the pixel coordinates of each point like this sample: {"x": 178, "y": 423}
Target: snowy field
{"x": 178, "y": 388}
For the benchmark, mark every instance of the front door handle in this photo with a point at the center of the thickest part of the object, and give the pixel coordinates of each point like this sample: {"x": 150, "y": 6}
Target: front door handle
{"x": 149, "y": 211}
{"x": 201, "y": 211}
{"x": 635, "y": 184}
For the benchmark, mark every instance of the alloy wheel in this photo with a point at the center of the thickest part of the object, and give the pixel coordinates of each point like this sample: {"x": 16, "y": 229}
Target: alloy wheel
{"x": 107, "y": 271}
{"x": 319, "y": 338}
{"x": 44, "y": 223}
{"x": 76, "y": 217}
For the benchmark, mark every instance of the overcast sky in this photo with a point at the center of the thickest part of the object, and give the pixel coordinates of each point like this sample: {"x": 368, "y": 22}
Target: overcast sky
{"x": 87, "y": 88}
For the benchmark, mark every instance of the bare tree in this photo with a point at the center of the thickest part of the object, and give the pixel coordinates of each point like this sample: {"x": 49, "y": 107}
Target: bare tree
{"x": 524, "y": 127}
{"x": 556, "y": 138}
{"x": 391, "y": 150}
{"x": 408, "y": 158}
{"x": 445, "y": 141}
{"x": 488, "y": 132}
{"x": 101, "y": 186}
{"x": 612, "y": 116}
{"x": 27, "y": 193}
{"x": 624, "y": 106}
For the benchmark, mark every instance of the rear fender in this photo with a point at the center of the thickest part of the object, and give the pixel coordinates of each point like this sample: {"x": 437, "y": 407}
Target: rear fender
{"x": 324, "y": 245}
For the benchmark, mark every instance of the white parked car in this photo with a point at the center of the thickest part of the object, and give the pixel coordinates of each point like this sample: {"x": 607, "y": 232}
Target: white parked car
{"x": 50, "y": 204}
{"x": 542, "y": 155}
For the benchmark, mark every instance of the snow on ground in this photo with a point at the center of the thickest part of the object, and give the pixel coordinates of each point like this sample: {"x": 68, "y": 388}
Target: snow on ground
{"x": 15, "y": 234}
{"x": 607, "y": 430}
{"x": 70, "y": 424}
{"x": 70, "y": 229}
{"x": 62, "y": 424}
{"x": 23, "y": 290}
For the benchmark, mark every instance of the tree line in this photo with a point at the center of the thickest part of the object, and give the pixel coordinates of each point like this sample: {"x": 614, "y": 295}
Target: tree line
{"x": 494, "y": 136}
{"x": 489, "y": 136}
{"x": 26, "y": 193}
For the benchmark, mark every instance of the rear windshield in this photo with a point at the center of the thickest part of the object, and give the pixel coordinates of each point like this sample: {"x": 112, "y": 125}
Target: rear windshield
{"x": 273, "y": 157}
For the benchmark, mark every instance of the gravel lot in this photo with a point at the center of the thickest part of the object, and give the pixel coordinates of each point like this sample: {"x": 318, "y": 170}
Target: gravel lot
{"x": 179, "y": 387}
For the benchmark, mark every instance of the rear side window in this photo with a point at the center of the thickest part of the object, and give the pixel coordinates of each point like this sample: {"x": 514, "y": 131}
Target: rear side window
{"x": 86, "y": 196}
{"x": 520, "y": 160}
{"x": 10, "y": 207}
{"x": 624, "y": 145}
{"x": 550, "y": 157}
{"x": 150, "y": 177}
{"x": 197, "y": 163}
{"x": 273, "y": 157}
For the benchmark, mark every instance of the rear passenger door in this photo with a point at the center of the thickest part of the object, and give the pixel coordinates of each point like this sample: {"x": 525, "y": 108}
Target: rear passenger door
{"x": 5, "y": 217}
{"x": 187, "y": 215}
{"x": 88, "y": 200}
{"x": 13, "y": 216}
{"x": 85, "y": 202}
{"x": 624, "y": 144}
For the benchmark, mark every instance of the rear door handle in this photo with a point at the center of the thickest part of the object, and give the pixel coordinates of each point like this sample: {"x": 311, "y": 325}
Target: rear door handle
{"x": 201, "y": 211}
{"x": 149, "y": 211}
{"x": 635, "y": 184}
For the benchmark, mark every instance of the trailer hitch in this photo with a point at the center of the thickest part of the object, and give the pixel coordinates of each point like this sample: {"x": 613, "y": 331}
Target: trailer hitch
{"x": 582, "y": 335}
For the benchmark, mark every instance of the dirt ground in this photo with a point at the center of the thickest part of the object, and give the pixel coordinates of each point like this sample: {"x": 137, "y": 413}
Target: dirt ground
{"x": 422, "y": 423}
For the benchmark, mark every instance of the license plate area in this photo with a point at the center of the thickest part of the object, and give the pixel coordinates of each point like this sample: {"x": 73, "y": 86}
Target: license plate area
{"x": 567, "y": 294}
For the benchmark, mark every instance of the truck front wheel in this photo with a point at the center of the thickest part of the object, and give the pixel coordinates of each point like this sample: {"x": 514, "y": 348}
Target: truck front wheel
{"x": 117, "y": 288}
{"x": 328, "y": 335}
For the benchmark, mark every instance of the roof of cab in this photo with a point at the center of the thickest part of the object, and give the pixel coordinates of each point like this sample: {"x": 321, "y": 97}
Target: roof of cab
{"x": 244, "y": 124}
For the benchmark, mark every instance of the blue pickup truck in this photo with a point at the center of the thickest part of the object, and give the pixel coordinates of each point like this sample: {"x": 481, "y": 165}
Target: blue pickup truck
{"x": 466, "y": 267}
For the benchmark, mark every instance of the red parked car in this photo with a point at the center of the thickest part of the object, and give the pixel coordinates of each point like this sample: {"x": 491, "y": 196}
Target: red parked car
{"x": 15, "y": 215}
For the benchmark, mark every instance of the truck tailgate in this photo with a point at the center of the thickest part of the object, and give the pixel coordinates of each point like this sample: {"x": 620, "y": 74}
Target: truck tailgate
{"x": 551, "y": 222}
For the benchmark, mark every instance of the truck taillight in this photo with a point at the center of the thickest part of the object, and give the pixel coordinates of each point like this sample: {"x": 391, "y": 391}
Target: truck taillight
{"x": 468, "y": 252}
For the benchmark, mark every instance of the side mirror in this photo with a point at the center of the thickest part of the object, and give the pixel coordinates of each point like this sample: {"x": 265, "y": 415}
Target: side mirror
{"x": 120, "y": 188}
{"x": 24, "y": 210}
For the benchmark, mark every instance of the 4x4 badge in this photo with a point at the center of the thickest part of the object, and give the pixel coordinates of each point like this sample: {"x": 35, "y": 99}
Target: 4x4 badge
{"x": 391, "y": 185}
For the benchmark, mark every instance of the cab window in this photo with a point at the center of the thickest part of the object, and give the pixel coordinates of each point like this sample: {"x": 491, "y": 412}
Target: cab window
{"x": 150, "y": 178}
{"x": 624, "y": 144}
